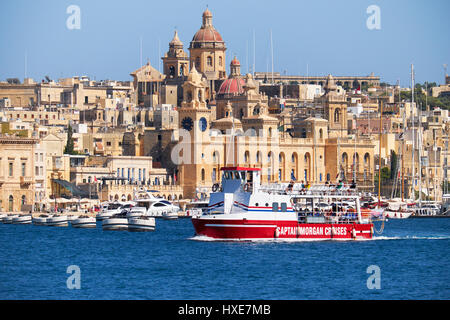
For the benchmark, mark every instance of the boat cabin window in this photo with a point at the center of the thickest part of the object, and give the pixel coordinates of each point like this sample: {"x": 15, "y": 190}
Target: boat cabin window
{"x": 283, "y": 207}
{"x": 275, "y": 206}
{"x": 159, "y": 204}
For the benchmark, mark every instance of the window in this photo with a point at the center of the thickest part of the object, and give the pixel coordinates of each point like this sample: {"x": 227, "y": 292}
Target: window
{"x": 283, "y": 207}
{"x": 11, "y": 203}
{"x": 23, "y": 171}
{"x": 337, "y": 114}
{"x": 197, "y": 62}
{"x": 209, "y": 61}
{"x": 23, "y": 201}
{"x": 220, "y": 61}
{"x": 203, "y": 174}
{"x": 275, "y": 206}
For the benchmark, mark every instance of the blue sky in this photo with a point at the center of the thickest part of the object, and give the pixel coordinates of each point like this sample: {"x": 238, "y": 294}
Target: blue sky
{"x": 320, "y": 36}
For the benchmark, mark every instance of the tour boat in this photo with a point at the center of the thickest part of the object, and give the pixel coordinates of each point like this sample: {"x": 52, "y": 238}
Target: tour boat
{"x": 142, "y": 223}
{"x": 41, "y": 220}
{"x": 22, "y": 219}
{"x": 241, "y": 209}
{"x": 84, "y": 222}
{"x": 116, "y": 222}
{"x": 57, "y": 221}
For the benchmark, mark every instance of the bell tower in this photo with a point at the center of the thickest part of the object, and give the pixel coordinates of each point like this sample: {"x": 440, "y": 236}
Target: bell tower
{"x": 176, "y": 60}
{"x": 207, "y": 53}
{"x": 194, "y": 122}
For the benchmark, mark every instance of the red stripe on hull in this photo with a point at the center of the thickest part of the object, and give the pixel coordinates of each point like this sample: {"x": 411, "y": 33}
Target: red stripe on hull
{"x": 263, "y": 229}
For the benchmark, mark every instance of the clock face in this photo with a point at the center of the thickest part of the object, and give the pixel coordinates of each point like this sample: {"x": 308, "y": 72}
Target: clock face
{"x": 203, "y": 124}
{"x": 187, "y": 123}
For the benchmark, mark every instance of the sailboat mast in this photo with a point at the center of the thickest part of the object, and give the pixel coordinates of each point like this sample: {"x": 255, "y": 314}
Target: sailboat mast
{"x": 413, "y": 134}
{"x": 403, "y": 148}
{"x": 379, "y": 157}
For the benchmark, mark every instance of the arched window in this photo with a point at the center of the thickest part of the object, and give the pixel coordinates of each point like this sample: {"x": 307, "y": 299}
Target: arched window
{"x": 189, "y": 96}
{"x": 200, "y": 98}
{"x": 220, "y": 61}
{"x": 203, "y": 175}
{"x": 337, "y": 115}
{"x": 172, "y": 71}
{"x": 258, "y": 157}
{"x": 321, "y": 134}
{"x": 209, "y": 61}
{"x": 11, "y": 203}
{"x": 247, "y": 157}
{"x": 270, "y": 132}
{"x": 182, "y": 70}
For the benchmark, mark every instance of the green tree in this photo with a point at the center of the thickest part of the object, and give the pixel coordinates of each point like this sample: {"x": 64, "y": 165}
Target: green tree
{"x": 394, "y": 159}
{"x": 69, "y": 148}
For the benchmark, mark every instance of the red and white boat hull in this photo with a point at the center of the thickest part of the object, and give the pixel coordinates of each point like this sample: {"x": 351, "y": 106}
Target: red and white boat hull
{"x": 227, "y": 229}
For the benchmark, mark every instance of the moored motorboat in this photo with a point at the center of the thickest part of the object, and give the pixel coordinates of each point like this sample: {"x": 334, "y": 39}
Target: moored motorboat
{"x": 143, "y": 223}
{"x": 112, "y": 208}
{"x": 84, "y": 221}
{"x": 169, "y": 215}
{"x": 155, "y": 206}
{"x": 41, "y": 220}
{"x": 116, "y": 222}
{"x": 22, "y": 219}
{"x": 57, "y": 221}
{"x": 2, "y": 215}
{"x": 9, "y": 218}
{"x": 397, "y": 209}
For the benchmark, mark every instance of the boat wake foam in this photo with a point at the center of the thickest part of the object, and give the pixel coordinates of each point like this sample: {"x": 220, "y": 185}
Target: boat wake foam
{"x": 375, "y": 238}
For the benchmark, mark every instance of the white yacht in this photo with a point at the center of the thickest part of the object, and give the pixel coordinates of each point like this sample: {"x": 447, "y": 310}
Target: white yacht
{"x": 113, "y": 208}
{"x": 156, "y": 207}
{"x": 118, "y": 221}
{"x": 41, "y": 220}
{"x": 22, "y": 219}
{"x": 9, "y": 218}
{"x": 427, "y": 209}
{"x": 84, "y": 221}
{"x": 142, "y": 223}
{"x": 57, "y": 221}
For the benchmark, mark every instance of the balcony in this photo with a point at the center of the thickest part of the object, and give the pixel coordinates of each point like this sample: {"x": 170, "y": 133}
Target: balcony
{"x": 26, "y": 180}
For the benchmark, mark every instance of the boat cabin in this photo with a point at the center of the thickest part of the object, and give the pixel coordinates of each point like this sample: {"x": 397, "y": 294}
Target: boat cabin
{"x": 240, "y": 179}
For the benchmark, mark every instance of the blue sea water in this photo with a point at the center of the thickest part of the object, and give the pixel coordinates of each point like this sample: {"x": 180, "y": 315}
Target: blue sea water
{"x": 170, "y": 263}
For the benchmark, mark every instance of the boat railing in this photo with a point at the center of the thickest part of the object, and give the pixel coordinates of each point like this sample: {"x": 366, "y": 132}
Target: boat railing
{"x": 300, "y": 189}
{"x": 327, "y": 217}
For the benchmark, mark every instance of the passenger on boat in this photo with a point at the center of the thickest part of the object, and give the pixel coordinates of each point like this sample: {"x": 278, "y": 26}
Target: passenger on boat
{"x": 290, "y": 186}
{"x": 353, "y": 185}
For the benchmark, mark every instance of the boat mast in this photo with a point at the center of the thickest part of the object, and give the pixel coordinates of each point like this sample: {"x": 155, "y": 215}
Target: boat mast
{"x": 413, "y": 134}
{"x": 403, "y": 146}
{"x": 419, "y": 142}
{"x": 379, "y": 157}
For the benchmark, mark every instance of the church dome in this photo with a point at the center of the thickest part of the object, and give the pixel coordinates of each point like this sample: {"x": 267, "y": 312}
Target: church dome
{"x": 235, "y": 83}
{"x": 207, "y": 32}
{"x": 232, "y": 87}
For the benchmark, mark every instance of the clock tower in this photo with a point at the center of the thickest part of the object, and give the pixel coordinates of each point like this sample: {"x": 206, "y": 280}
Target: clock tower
{"x": 194, "y": 123}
